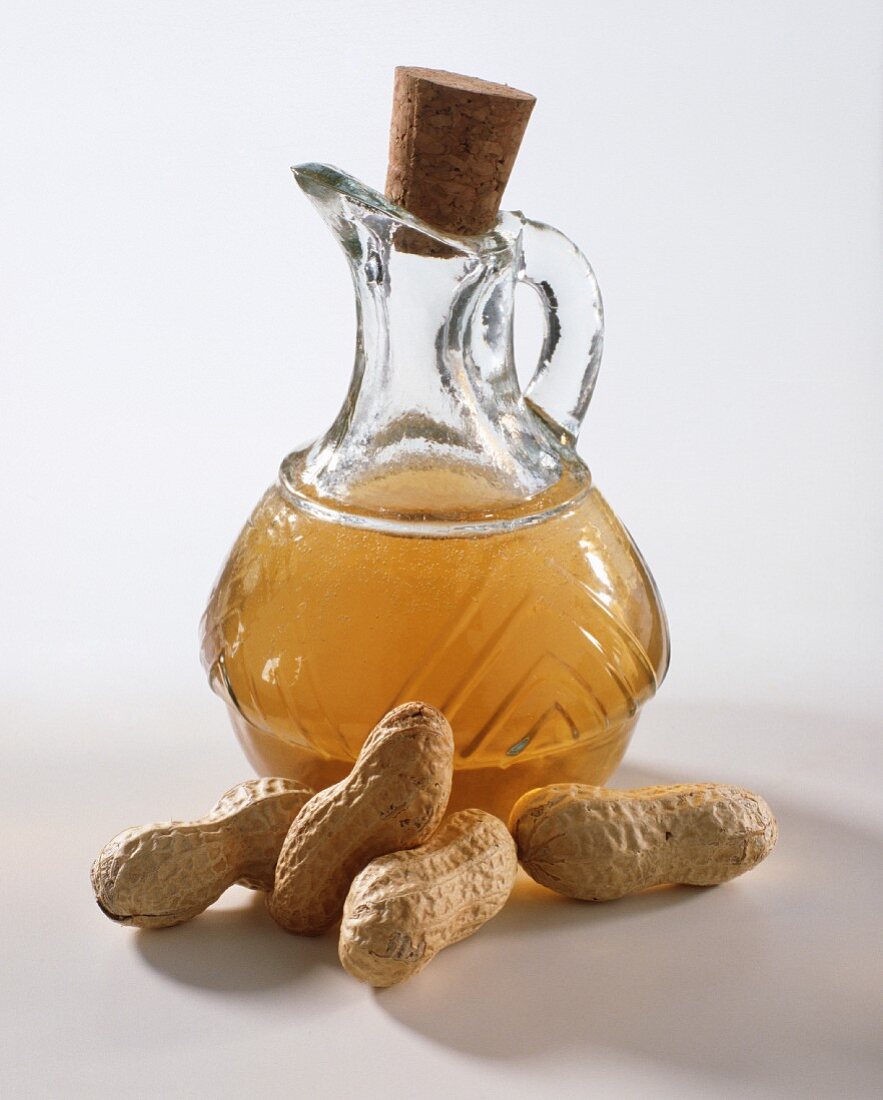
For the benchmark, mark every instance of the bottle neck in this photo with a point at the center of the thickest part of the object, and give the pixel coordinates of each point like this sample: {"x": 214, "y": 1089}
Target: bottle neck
{"x": 434, "y": 419}
{"x": 435, "y": 352}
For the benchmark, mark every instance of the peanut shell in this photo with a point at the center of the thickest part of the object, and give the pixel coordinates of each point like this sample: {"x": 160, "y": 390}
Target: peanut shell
{"x": 393, "y": 798}
{"x": 597, "y": 844}
{"x": 404, "y": 908}
{"x": 158, "y": 875}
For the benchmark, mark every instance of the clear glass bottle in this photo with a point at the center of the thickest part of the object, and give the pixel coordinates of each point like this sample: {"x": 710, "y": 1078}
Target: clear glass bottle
{"x": 443, "y": 541}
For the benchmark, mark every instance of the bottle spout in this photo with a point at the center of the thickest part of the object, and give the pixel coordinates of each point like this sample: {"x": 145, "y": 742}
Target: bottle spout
{"x": 345, "y": 201}
{"x": 322, "y": 181}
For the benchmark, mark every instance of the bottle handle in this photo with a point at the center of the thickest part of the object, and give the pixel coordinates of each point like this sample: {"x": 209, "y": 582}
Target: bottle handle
{"x": 562, "y": 384}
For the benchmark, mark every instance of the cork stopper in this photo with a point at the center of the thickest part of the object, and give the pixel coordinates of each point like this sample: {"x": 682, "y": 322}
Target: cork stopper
{"x": 452, "y": 144}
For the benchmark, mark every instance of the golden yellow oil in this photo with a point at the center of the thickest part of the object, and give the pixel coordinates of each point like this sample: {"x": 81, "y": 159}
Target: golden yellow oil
{"x": 538, "y": 641}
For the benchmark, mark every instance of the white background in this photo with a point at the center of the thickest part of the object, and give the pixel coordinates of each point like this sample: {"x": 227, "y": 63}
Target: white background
{"x": 175, "y": 319}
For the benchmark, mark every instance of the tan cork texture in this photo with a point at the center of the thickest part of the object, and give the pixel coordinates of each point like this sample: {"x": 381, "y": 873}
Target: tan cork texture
{"x": 453, "y": 142}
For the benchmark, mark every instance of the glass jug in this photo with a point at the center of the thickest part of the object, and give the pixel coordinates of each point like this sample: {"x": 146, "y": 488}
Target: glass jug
{"x": 442, "y": 541}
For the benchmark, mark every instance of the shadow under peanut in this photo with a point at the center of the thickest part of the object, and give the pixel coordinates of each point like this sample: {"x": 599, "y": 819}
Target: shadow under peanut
{"x": 724, "y": 981}
{"x": 235, "y": 949}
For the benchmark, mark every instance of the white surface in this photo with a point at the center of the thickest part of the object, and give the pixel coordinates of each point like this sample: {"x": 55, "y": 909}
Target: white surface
{"x": 766, "y": 987}
{"x": 175, "y": 319}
